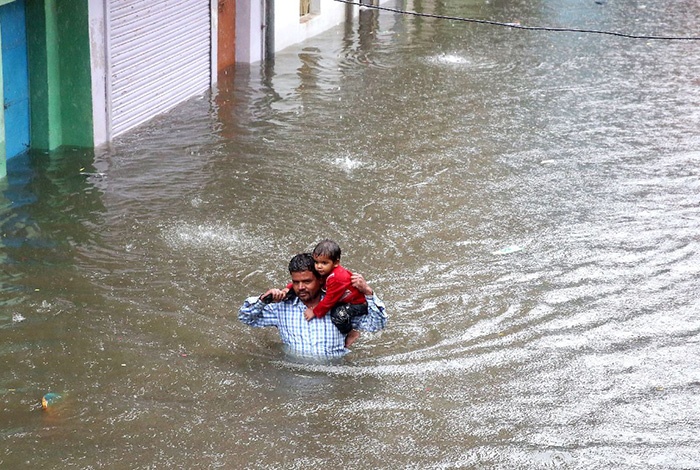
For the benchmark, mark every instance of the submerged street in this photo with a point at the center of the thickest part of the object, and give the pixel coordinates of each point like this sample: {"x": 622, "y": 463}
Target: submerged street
{"x": 526, "y": 203}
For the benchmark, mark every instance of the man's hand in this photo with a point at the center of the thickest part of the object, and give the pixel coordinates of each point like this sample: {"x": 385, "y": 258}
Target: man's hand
{"x": 359, "y": 283}
{"x": 309, "y": 314}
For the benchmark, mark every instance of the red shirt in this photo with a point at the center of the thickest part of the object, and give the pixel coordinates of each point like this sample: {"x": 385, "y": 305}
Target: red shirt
{"x": 339, "y": 289}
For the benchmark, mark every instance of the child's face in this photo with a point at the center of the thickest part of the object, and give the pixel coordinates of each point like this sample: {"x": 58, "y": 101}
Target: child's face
{"x": 324, "y": 265}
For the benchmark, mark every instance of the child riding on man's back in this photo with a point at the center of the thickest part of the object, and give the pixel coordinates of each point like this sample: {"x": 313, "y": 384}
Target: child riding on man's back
{"x": 342, "y": 300}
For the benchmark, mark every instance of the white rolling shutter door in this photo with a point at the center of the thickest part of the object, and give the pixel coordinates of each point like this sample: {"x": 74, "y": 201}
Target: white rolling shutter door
{"x": 159, "y": 56}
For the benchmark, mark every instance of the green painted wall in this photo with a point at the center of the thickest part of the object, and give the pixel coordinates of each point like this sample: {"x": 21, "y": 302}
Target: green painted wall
{"x": 59, "y": 73}
{"x": 76, "y": 83}
{"x": 43, "y": 77}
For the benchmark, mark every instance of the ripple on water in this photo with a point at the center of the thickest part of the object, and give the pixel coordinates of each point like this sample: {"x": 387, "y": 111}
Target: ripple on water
{"x": 353, "y": 58}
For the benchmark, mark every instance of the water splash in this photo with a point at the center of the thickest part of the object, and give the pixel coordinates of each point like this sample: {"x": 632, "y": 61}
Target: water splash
{"x": 213, "y": 237}
{"x": 346, "y": 163}
{"x": 449, "y": 59}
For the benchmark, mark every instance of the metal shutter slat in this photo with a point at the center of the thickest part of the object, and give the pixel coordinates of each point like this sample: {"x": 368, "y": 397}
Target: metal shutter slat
{"x": 159, "y": 56}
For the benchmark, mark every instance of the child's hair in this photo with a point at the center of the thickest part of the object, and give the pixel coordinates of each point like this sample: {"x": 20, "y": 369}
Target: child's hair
{"x": 328, "y": 248}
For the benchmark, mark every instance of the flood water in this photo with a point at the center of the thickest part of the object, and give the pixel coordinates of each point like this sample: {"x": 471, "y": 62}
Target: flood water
{"x": 527, "y": 204}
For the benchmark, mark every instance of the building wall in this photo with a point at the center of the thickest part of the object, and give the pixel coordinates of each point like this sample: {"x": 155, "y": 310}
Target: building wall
{"x": 291, "y": 29}
{"x": 59, "y": 74}
{"x": 145, "y": 57}
{"x": 3, "y": 152}
{"x": 14, "y": 81}
{"x": 68, "y": 59}
{"x": 226, "y": 26}
{"x": 249, "y": 32}
{"x": 97, "y": 34}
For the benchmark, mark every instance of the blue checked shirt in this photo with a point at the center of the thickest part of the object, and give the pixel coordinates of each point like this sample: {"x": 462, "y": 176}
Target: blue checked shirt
{"x": 315, "y": 338}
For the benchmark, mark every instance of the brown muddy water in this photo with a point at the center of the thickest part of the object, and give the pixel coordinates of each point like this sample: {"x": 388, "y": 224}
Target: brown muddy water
{"x": 527, "y": 204}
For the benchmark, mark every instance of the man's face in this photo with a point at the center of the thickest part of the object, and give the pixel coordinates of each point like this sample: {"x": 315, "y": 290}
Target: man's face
{"x": 306, "y": 285}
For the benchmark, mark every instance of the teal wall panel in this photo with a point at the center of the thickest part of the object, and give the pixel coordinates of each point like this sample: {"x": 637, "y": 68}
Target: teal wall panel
{"x": 15, "y": 77}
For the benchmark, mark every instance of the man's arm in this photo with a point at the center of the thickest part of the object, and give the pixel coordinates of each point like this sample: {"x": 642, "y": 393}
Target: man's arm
{"x": 256, "y": 313}
{"x": 375, "y": 319}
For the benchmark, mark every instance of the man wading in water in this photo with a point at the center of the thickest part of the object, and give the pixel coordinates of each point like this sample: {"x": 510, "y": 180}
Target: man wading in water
{"x": 317, "y": 338}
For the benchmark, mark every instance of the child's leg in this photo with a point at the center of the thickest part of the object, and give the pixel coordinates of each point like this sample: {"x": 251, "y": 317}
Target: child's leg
{"x": 351, "y": 338}
{"x": 342, "y": 315}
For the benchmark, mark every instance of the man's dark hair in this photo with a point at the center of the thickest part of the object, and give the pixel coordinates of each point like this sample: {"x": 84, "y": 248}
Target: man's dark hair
{"x": 328, "y": 248}
{"x": 303, "y": 262}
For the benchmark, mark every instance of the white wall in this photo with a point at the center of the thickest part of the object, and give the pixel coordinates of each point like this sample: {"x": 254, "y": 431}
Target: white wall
{"x": 249, "y": 33}
{"x": 98, "y": 64}
{"x": 290, "y": 30}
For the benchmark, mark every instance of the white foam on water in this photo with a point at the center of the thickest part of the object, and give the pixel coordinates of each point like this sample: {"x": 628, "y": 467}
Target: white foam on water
{"x": 346, "y": 163}
{"x": 196, "y": 201}
{"x": 434, "y": 365}
{"x": 216, "y": 237}
{"x": 449, "y": 59}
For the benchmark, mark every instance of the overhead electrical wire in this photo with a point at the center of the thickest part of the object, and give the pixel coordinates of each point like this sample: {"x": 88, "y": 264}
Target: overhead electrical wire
{"x": 519, "y": 26}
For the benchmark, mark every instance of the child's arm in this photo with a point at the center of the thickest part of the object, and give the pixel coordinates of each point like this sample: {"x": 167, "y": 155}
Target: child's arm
{"x": 278, "y": 295}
